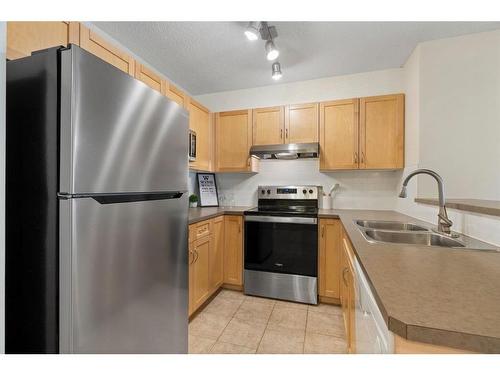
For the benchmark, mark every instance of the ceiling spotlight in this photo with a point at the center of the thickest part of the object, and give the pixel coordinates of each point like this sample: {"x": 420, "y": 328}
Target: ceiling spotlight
{"x": 271, "y": 50}
{"x": 276, "y": 71}
{"x": 252, "y": 30}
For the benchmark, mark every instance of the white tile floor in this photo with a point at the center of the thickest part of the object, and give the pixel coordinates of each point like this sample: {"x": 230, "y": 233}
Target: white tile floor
{"x": 237, "y": 324}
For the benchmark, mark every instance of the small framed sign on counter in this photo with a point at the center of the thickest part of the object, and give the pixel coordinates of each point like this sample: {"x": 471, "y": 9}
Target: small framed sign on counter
{"x": 207, "y": 188}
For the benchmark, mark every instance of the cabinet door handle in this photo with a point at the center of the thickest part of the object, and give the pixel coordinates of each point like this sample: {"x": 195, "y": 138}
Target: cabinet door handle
{"x": 248, "y": 162}
{"x": 286, "y": 133}
{"x": 322, "y": 231}
{"x": 196, "y": 255}
{"x": 281, "y": 133}
{"x": 362, "y": 157}
{"x": 239, "y": 228}
{"x": 355, "y": 158}
{"x": 343, "y": 275}
{"x": 192, "y": 259}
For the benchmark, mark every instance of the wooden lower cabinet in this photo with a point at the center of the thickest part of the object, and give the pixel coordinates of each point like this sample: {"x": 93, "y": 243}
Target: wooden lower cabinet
{"x": 199, "y": 272}
{"x": 233, "y": 250}
{"x": 348, "y": 290}
{"x": 216, "y": 256}
{"x": 330, "y": 233}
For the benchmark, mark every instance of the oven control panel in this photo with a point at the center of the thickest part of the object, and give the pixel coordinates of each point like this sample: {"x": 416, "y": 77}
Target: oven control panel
{"x": 289, "y": 192}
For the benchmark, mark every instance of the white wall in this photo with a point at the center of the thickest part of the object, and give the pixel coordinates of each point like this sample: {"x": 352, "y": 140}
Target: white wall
{"x": 330, "y": 88}
{"x": 363, "y": 189}
{"x": 3, "y": 36}
{"x": 441, "y": 135}
{"x": 460, "y": 115}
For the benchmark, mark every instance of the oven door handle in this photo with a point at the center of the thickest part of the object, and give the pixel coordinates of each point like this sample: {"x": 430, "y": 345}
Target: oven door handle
{"x": 282, "y": 219}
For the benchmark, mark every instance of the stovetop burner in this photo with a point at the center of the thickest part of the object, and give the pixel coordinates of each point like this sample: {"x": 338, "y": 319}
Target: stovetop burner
{"x": 287, "y": 201}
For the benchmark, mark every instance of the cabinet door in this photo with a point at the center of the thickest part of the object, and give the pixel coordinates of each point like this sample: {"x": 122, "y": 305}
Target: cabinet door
{"x": 301, "y": 123}
{"x": 351, "y": 329}
{"x": 382, "y": 132}
{"x": 339, "y": 134}
{"x": 268, "y": 126}
{"x": 150, "y": 78}
{"x": 175, "y": 94}
{"x": 191, "y": 258}
{"x": 96, "y": 45}
{"x": 23, "y": 38}
{"x": 200, "y": 271}
{"x": 233, "y": 134}
{"x": 329, "y": 258}
{"x": 233, "y": 250}
{"x": 199, "y": 121}
{"x": 216, "y": 255}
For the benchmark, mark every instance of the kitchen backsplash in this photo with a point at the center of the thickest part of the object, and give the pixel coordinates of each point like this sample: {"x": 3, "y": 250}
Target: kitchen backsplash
{"x": 358, "y": 189}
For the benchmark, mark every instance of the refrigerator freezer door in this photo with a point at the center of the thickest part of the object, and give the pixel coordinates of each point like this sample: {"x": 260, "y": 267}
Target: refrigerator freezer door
{"x": 123, "y": 276}
{"x": 117, "y": 134}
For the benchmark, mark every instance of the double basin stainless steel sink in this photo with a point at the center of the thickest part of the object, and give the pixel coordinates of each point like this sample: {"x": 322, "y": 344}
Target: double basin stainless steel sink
{"x": 397, "y": 232}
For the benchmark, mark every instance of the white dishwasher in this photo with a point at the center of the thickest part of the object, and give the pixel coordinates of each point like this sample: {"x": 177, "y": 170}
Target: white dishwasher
{"x": 372, "y": 334}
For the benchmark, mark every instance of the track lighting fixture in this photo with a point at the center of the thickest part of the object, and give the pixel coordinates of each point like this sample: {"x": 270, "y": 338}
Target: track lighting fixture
{"x": 252, "y": 32}
{"x": 276, "y": 69}
{"x": 272, "y": 52}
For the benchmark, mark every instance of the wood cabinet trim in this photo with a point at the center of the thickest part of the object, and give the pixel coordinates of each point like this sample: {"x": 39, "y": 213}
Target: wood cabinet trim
{"x": 281, "y": 123}
{"x": 247, "y": 165}
{"x": 355, "y": 138}
{"x": 398, "y": 162}
{"x": 87, "y": 37}
{"x": 141, "y": 70}
{"x": 288, "y": 129}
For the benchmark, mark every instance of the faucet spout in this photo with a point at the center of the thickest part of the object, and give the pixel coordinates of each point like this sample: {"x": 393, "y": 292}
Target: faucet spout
{"x": 444, "y": 223}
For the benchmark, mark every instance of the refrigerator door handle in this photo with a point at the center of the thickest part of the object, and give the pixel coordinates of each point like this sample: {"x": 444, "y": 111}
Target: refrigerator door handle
{"x": 112, "y": 198}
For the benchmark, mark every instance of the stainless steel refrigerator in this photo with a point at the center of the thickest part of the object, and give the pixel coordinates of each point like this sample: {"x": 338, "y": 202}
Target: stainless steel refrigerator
{"x": 96, "y": 214}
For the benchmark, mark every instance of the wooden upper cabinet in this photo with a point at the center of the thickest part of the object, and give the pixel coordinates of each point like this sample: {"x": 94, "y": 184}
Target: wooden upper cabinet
{"x": 301, "y": 123}
{"x": 233, "y": 250}
{"x": 176, "y": 95}
{"x": 103, "y": 49}
{"x": 339, "y": 128}
{"x": 150, "y": 78}
{"x": 233, "y": 134}
{"x": 23, "y": 38}
{"x": 268, "y": 126}
{"x": 330, "y": 243}
{"x": 199, "y": 122}
{"x": 382, "y": 132}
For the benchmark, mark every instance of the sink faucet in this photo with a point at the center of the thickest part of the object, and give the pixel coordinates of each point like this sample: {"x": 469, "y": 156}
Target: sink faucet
{"x": 444, "y": 224}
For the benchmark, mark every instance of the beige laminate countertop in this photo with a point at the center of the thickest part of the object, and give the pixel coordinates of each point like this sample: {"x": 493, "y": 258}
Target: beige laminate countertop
{"x": 436, "y": 295}
{"x": 204, "y": 213}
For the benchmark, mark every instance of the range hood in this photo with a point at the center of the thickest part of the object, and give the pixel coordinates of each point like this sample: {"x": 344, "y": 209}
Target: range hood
{"x": 286, "y": 151}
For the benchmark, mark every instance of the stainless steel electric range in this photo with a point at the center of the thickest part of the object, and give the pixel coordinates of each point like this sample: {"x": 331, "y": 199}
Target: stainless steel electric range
{"x": 281, "y": 244}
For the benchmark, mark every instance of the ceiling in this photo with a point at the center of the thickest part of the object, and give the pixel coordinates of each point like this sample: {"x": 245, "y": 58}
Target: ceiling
{"x": 206, "y": 57}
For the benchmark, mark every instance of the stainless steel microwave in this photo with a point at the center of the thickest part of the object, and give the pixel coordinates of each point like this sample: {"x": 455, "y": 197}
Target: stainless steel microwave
{"x": 192, "y": 145}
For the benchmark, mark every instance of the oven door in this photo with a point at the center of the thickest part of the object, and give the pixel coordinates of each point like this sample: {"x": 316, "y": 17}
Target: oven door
{"x": 281, "y": 244}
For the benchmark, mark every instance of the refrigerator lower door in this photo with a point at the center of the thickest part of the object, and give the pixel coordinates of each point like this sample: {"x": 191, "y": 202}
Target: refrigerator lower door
{"x": 123, "y": 276}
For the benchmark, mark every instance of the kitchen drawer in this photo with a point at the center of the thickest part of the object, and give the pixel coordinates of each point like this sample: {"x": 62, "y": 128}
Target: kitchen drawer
{"x": 200, "y": 230}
